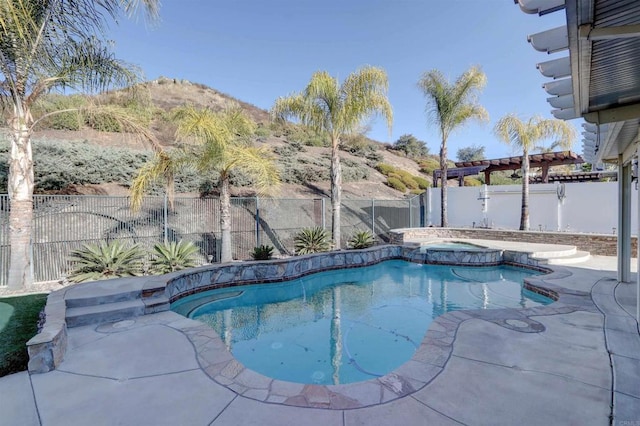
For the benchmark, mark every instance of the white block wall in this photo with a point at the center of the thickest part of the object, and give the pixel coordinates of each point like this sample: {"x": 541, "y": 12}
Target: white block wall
{"x": 590, "y": 207}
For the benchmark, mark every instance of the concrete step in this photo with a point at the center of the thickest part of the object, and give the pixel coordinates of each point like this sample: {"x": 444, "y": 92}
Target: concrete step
{"x": 102, "y": 298}
{"x": 577, "y": 257}
{"x": 105, "y": 291}
{"x": 108, "y": 312}
{"x": 562, "y": 251}
{"x": 156, "y": 304}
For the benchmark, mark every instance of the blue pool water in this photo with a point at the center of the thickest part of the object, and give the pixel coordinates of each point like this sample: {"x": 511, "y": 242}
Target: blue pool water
{"x": 348, "y": 325}
{"x": 451, "y": 245}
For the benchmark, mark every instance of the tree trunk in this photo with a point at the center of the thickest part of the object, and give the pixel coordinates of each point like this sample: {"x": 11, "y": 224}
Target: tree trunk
{"x": 336, "y": 192}
{"x": 21, "y": 207}
{"x": 524, "y": 212}
{"x": 443, "y": 187}
{"x": 225, "y": 220}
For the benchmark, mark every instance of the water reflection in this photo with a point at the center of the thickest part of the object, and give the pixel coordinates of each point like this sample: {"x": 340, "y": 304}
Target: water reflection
{"x": 350, "y": 325}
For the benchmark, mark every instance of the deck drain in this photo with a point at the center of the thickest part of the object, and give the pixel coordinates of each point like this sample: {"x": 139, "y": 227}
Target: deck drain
{"x": 517, "y": 323}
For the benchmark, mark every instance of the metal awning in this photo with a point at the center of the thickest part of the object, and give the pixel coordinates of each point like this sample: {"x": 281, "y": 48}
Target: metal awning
{"x": 599, "y": 79}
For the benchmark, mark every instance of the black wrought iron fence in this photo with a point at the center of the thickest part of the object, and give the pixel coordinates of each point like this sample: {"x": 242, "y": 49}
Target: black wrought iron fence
{"x": 63, "y": 223}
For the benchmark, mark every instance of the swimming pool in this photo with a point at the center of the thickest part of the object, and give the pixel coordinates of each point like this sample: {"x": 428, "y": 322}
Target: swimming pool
{"x": 349, "y": 325}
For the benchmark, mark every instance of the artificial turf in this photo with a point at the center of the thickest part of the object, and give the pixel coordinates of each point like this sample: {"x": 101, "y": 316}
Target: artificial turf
{"x": 22, "y": 326}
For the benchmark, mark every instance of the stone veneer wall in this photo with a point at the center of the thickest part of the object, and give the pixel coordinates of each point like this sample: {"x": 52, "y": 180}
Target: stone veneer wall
{"x": 243, "y": 273}
{"x": 598, "y": 244}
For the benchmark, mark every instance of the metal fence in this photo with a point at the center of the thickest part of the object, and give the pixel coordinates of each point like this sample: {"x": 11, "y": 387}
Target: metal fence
{"x": 63, "y": 223}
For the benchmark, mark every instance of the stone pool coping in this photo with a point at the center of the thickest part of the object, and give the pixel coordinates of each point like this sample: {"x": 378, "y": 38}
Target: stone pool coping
{"x": 47, "y": 349}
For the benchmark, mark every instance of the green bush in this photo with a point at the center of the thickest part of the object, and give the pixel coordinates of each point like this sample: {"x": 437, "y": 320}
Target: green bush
{"x": 361, "y": 239}
{"x": 262, "y": 132}
{"x": 406, "y": 179}
{"x": 71, "y": 120}
{"x": 105, "y": 260}
{"x": 60, "y": 164}
{"x": 428, "y": 165}
{"x": 422, "y": 182}
{"x": 262, "y": 252}
{"x": 469, "y": 181}
{"x": 311, "y": 240}
{"x": 385, "y": 169}
{"x": 360, "y": 146}
{"x": 396, "y": 184}
{"x": 173, "y": 256}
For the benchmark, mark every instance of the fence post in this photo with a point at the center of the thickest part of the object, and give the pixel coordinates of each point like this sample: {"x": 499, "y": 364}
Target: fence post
{"x": 324, "y": 224}
{"x": 257, "y": 222}
{"x": 373, "y": 216}
{"x": 165, "y": 214}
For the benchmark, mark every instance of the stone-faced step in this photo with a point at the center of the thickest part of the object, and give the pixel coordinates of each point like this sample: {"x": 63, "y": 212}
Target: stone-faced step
{"x": 110, "y": 312}
{"x": 103, "y": 299}
{"x": 106, "y": 291}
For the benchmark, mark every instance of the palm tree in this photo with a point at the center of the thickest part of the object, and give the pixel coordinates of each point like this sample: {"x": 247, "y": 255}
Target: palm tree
{"x": 48, "y": 45}
{"x": 451, "y": 106}
{"x": 327, "y": 106}
{"x": 218, "y": 142}
{"x": 526, "y": 136}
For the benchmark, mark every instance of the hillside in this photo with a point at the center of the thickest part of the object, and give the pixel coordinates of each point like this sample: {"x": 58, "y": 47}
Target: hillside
{"x": 305, "y": 165}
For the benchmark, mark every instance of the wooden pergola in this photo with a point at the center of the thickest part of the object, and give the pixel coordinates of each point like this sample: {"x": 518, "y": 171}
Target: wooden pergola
{"x": 542, "y": 161}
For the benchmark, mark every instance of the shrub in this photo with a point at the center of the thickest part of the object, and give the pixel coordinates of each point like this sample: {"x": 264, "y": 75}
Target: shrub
{"x": 71, "y": 120}
{"x": 396, "y": 184}
{"x": 352, "y": 171}
{"x": 59, "y": 164}
{"x": 262, "y": 132}
{"x": 263, "y": 252}
{"x": 428, "y": 165}
{"x": 362, "y": 239}
{"x": 173, "y": 256}
{"x": 360, "y": 146}
{"x": 311, "y": 240}
{"x": 411, "y": 146}
{"x": 422, "y": 182}
{"x": 104, "y": 261}
{"x": 385, "y": 169}
{"x": 469, "y": 181}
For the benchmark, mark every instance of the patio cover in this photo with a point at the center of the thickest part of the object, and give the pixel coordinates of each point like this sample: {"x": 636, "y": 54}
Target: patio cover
{"x": 599, "y": 81}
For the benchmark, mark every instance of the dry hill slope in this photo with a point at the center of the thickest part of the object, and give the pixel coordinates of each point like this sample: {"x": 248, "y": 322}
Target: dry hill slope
{"x": 165, "y": 94}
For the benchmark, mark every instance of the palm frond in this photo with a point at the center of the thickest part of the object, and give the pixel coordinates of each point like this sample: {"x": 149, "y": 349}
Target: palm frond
{"x": 161, "y": 167}
{"x": 258, "y": 163}
{"x": 528, "y": 135}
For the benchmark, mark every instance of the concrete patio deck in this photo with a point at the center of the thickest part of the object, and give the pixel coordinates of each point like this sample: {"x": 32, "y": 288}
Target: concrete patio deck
{"x": 576, "y": 361}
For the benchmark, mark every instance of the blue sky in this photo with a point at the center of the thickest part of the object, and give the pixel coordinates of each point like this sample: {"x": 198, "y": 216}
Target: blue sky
{"x": 257, "y": 51}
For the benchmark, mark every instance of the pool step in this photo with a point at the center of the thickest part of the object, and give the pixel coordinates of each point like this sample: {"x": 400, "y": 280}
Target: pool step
{"x": 564, "y": 251}
{"x": 577, "y": 257}
{"x": 107, "y": 312}
{"x": 113, "y": 300}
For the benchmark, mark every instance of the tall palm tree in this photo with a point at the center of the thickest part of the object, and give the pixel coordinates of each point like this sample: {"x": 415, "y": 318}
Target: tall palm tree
{"x": 47, "y": 45}
{"x": 217, "y": 142}
{"x": 449, "y": 107}
{"x": 526, "y": 136}
{"x": 325, "y": 105}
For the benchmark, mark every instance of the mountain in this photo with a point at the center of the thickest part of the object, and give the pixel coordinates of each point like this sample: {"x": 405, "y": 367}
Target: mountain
{"x": 305, "y": 165}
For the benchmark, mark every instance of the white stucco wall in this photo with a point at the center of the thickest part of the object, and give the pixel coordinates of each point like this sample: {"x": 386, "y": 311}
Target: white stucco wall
{"x": 587, "y": 207}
